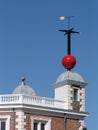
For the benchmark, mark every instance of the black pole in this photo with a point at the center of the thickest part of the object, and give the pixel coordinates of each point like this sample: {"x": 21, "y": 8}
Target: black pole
{"x": 68, "y": 33}
{"x": 69, "y": 44}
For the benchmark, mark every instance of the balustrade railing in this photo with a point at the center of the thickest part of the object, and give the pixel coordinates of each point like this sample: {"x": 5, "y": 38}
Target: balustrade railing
{"x": 31, "y": 100}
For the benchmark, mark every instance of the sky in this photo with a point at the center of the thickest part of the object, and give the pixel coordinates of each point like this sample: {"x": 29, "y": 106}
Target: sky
{"x": 32, "y": 46}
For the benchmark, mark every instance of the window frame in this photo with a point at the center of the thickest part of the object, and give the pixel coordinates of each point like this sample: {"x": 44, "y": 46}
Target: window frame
{"x": 75, "y": 94}
{"x": 1, "y": 121}
{"x": 5, "y": 118}
{"x": 41, "y": 120}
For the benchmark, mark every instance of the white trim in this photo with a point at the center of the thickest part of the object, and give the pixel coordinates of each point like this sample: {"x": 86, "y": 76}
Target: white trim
{"x": 7, "y": 119}
{"x": 78, "y": 93}
{"x": 70, "y": 82}
{"x": 40, "y": 119}
{"x": 13, "y": 99}
{"x": 48, "y": 110}
{"x": 81, "y": 124}
{"x": 20, "y": 120}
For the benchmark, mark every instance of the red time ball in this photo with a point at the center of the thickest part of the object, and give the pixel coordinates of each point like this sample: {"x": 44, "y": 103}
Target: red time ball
{"x": 68, "y": 61}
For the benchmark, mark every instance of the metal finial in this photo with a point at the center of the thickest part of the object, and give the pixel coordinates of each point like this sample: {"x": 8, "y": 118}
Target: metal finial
{"x": 23, "y": 79}
{"x": 68, "y": 61}
{"x": 68, "y": 33}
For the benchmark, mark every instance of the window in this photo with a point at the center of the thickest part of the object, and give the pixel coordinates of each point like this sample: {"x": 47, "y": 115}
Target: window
{"x": 42, "y": 126}
{"x": 5, "y": 122}
{"x": 40, "y": 123}
{"x": 35, "y": 126}
{"x": 2, "y": 124}
{"x": 75, "y": 94}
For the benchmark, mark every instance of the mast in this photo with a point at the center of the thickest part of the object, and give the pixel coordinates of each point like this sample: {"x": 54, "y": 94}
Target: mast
{"x": 69, "y": 61}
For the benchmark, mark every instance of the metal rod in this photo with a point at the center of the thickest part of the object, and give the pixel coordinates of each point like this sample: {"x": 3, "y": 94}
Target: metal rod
{"x": 69, "y": 44}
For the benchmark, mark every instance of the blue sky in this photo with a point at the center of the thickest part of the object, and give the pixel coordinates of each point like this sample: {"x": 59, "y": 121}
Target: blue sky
{"x": 31, "y": 46}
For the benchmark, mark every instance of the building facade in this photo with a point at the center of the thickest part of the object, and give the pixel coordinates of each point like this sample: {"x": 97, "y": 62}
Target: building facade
{"x": 23, "y": 110}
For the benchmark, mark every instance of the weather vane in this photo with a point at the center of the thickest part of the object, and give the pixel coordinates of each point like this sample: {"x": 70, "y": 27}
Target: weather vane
{"x": 68, "y": 18}
{"x": 68, "y": 61}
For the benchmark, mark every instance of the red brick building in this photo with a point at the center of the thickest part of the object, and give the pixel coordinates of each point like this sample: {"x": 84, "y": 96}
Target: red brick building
{"x": 23, "y": 110}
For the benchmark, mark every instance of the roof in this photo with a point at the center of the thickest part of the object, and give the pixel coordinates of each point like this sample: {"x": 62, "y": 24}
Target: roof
{"x": 70, "y": 75}
{"x": 24, "y": 89}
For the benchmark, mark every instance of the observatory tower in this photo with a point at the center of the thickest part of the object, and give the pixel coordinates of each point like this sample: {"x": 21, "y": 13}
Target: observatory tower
{"x": 23, "y": 109}
{"x": 70, "y": 86}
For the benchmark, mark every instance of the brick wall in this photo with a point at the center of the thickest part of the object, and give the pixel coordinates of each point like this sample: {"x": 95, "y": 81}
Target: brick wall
{"x": 57, "y": 123}
{"x": 28, "y": 121}
{"x": 72, "y": 124}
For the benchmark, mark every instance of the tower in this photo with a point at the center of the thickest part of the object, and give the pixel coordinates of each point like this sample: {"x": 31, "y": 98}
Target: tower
{"x": 70, "y": 85}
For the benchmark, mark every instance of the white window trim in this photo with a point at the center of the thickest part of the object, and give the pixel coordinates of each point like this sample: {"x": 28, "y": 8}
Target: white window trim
{"x": 41, "y": 119}
{"x": 7, "y": 119}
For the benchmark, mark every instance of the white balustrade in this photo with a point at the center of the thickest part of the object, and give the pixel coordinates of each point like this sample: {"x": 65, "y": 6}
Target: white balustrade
{"x": 31, "y": 100}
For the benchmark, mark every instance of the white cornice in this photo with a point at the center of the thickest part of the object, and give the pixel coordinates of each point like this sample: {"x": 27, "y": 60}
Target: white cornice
{"x": 43, "y": 110}
{"x": 70, "y": 82}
